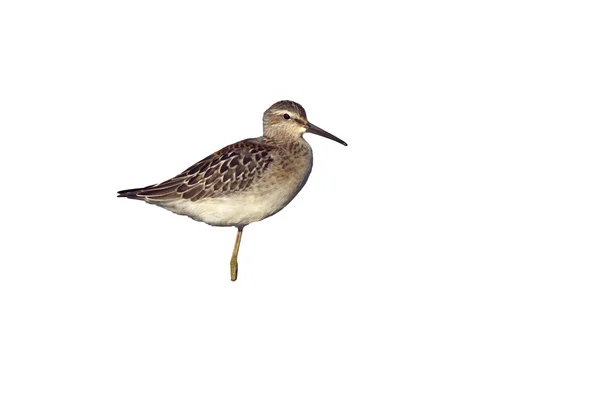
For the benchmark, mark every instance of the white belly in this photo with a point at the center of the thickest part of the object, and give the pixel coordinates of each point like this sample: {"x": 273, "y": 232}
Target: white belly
{"x": 232, "y": 211}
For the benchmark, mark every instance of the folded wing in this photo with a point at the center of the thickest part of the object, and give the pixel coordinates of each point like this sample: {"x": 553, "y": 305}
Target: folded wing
{"x": 233, "y": 168}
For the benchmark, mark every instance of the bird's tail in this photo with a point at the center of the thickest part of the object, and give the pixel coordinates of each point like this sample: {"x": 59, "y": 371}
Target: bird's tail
{"x": 130, "y": 193}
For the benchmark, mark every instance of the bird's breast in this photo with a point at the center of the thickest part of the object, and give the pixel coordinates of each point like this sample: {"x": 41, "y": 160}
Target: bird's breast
{"x": 282, "y": 182}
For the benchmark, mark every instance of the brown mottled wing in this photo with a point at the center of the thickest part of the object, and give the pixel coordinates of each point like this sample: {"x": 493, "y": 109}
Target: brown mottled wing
{"x": 231, "y": 169}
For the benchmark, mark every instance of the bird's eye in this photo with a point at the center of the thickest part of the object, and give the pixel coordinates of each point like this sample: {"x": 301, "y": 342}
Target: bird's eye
{"x": 286, "y": 116}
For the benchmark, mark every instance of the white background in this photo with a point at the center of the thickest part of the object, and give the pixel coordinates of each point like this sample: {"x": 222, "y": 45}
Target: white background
{"x": 450, "y": 251}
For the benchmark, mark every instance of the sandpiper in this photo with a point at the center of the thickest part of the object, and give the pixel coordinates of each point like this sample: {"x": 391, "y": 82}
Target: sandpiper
{"x": 244, "y": 182}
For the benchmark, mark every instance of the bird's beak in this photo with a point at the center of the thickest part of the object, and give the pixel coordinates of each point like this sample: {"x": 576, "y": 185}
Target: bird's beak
{"x": 310, "y": 128}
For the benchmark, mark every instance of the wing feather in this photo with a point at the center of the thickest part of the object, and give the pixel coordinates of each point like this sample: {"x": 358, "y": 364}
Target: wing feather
{"x": 233, "y": 168}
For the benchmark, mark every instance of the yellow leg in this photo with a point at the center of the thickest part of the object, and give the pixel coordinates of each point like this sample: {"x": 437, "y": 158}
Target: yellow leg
{"x": 234, "y": 264}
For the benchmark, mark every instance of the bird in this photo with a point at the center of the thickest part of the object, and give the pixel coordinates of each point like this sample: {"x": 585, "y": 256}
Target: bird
{"x": 244, "y": 182}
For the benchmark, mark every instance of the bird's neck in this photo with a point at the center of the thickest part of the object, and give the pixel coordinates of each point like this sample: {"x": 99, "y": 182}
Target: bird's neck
{"x": 297, "y": 145}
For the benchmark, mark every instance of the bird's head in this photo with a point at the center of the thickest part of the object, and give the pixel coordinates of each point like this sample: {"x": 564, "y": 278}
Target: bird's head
{"x": 287, "y": 120}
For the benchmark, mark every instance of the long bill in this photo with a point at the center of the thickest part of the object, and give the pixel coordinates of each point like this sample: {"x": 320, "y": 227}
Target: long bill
{"x": 310, "y": 128}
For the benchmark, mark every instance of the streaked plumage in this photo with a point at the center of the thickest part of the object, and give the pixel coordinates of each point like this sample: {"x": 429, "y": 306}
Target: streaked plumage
{"x": 244, "y": 182}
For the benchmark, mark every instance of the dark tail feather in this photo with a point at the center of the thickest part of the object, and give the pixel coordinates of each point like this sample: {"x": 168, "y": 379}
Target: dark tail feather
{"x": 130, "y": 193}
